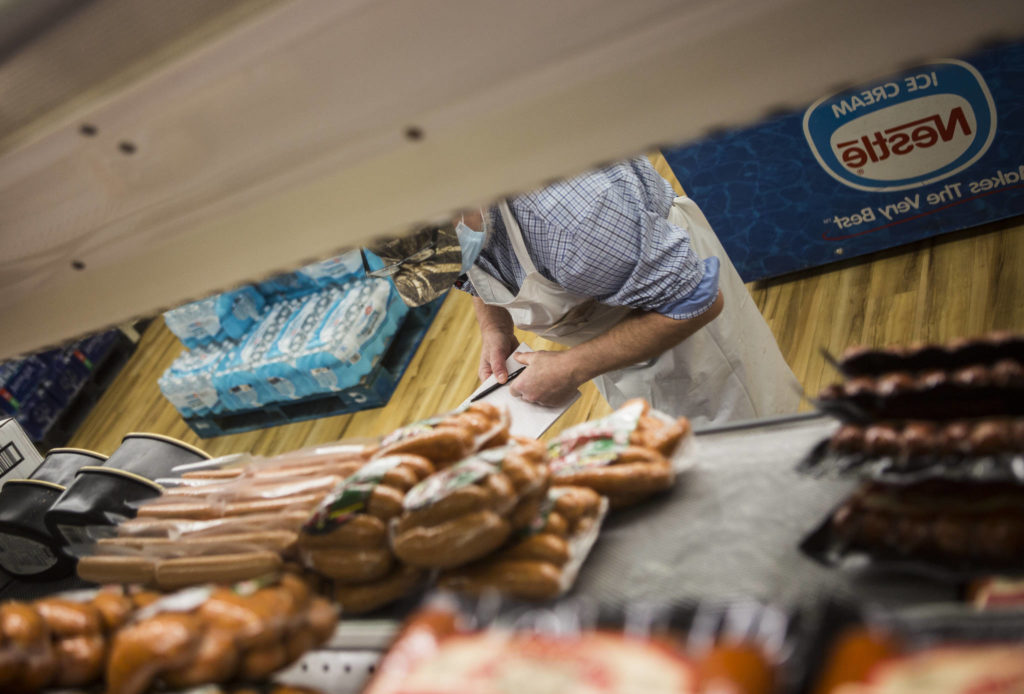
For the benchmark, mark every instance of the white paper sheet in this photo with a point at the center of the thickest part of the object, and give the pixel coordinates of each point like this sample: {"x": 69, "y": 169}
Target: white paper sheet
{"x": 528, "y": 420}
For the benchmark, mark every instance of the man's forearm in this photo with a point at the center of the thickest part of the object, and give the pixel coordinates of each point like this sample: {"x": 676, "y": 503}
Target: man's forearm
{"x": 492, "y": 318}
{"x": 639, "y": 337}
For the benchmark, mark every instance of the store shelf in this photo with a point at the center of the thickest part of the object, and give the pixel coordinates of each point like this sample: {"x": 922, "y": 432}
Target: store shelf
{"x": 374, "y": 390}
{"x": 104, "y": 370}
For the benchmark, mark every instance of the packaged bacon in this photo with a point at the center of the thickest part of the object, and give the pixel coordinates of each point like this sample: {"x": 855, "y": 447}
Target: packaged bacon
{"x": 448, "y": 438}
{"x": 627, "y": 456}
{"x": 465, "y": 645}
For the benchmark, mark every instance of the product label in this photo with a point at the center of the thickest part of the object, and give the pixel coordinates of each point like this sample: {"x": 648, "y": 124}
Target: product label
{"x": 594, "y": 444}
{"x": 9, "y": 457}
{"x": 906, "y": 131}
{"x": 351, "y": 497}
{"x": 540, "y": 523}
{"x": 186, "y": 600}
{"x": 19, "y": 555}
{"x": 462, "y": 474}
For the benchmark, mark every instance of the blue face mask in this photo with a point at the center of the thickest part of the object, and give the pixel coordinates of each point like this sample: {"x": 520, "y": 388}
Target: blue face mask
{"x": 471, "y": 242}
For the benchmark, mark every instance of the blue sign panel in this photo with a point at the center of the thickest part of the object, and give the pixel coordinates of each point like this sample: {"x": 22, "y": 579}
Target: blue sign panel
{"x": 927, "y": 151}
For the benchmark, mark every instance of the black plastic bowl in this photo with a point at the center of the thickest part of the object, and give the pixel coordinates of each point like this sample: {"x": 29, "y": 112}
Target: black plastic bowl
{"x": 104, "y": 495}
{"x": 27, "y": 547}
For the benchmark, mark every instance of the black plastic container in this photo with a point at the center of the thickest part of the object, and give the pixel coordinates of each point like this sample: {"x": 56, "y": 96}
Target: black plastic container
{"x": 27, "y": 547}
{"x": 103, "y": 495}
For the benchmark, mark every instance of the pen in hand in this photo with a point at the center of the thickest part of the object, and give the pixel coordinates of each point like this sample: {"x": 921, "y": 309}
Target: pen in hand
{"x": 490, "y": 389}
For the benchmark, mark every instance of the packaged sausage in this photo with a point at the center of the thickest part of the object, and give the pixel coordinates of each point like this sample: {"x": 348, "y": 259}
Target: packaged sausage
{"x": 60, "y": 641}
{"x": 468, "y": 510}
{"x": 542, "y": 560}
{"x": 202, "y": 635}
{"x": 627, "y": 456}
{"x": 448, "y": 438}
{"x": 953, "y": 531}
{"x": 957, "y": 354}
{"x": 482, "y": 646}
{"x": 202, "y": 540}
{"x": 974, "y": 450}
{"x": 346, "y": 538}
{"x": 944, "y": 650}
{"x": 975, "y": 391}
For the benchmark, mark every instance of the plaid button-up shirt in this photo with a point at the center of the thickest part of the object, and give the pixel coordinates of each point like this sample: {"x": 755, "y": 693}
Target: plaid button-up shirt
{"x": 604, "y": 234}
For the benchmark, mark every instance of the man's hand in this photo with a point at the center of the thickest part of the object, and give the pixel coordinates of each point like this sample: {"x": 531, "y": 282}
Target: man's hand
{"x": 547, "y": 380}
{"x": 496, "y": 348}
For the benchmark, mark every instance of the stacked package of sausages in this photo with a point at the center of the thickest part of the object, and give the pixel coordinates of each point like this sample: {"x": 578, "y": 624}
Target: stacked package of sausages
{"x": 936, "y": 435}
{"x": 457, "y": 498}
{"x": 133, "y": 639}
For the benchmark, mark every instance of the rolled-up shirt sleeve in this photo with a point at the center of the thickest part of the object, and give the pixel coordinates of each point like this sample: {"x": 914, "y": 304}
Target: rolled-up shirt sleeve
{"x": 624, "y": 255}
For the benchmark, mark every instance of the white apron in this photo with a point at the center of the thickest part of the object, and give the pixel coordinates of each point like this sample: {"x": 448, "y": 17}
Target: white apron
{"x": 731, "y": 369}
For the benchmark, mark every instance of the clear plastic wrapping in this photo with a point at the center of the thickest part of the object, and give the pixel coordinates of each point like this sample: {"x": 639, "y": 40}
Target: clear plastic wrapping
{"x": 541, "y": 561}
{"x": 945, "y": 649}
{"x": 906, "y": 452}
{"x": 627, "y": 456}
{"x": 218, "y": 634}
{"x": 449, "y": 438}
{"x": 458, "y": 645}
{"x": 466, "y": 511}
{"x": 211, "y": 527}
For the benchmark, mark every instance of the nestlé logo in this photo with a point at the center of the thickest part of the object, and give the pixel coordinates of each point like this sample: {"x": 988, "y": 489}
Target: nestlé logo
{"x": 906, "y": 131}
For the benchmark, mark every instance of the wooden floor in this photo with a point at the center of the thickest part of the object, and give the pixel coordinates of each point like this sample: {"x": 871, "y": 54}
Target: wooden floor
{"x": 954, "y": 285}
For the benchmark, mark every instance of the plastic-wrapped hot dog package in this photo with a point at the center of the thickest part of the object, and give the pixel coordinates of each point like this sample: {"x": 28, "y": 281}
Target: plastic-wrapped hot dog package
{"x": 346, "y": 538}
{"x": 221, "y": 528}
{"x": 478, "y": 646}
{"x": 945, "y": 529}
{"x": 448, "y": 438}
{"x": 943, "y": 650}
{"x": 466, "y": 511}
{"x": 542, "y": 560}
{"x": 627, "y": 456}
{"x": 234, "y": 531}
{"x": 973, "y": 450}
{"x": 341, "y": 458}
{"x": 64, "y": 640}
{"x": 218, "y": 634}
